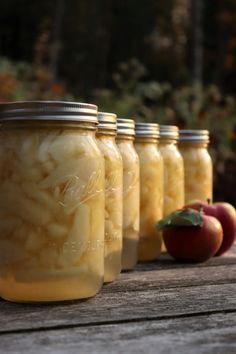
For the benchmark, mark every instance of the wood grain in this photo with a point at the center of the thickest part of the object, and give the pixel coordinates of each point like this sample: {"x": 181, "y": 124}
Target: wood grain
{"x": 209, "y": 334}
{"x": 161, "y": 307}
{"x": 171, "y": 278}
{"x": 120, "y": 306}
{"x": 165, "y": 261}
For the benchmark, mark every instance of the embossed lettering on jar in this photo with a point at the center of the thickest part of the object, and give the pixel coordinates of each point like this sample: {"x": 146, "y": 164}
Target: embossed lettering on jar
{"x": 52, "y": 202}
{"x": 113, "y": 194}
{"x": 151, "y": 189}
{"x": 197, "y": 165}
{"x": 131, "y": 212}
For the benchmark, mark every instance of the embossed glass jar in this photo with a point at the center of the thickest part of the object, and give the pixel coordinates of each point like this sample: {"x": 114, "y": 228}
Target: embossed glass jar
{"x": 198, "y": 179}
{"x": 52, "y": 202}
{"x": 173, "y": 169}
{"x": 113, "y": 194}
{"x": 151, "y": 189}
{"x": 131, "y": 212}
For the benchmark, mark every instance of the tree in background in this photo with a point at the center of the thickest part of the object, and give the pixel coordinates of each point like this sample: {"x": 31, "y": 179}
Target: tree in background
{"x": 220, "y": 43}
{"x": 197, "y": 41}
{"x": 82, "y": 42}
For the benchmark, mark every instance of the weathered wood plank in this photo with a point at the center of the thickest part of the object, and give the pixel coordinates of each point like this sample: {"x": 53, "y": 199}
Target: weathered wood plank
{"x": 171, "y": 278}
{"x": 166, "y": 262}
{"x": 209, "y": 334}
{"x": 120, "y": 306}
{"x": 136, "y": 295}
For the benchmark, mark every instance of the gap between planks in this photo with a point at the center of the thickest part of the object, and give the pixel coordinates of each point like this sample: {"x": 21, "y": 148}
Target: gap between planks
{"x": 118, "y": 322}
{"x": 206, "y": 334}
{"x": 121, "y": 307}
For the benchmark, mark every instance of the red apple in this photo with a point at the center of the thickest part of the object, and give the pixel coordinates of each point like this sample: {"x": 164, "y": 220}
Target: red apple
{"x": 226, "y": 214}
{"x": 192, "y": 241}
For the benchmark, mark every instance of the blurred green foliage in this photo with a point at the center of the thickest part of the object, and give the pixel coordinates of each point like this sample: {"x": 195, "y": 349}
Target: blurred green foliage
{"x": 187, "y": 107}
{"x": 23, "y": 81}
{"x": 83, "y": 41}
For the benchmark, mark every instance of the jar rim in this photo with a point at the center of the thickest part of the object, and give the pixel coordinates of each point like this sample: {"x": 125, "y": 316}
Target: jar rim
{"x": 107, "y": 121}
{"x": 48, "y": 111}
{"x": 125, "y": 127}
{"x": 147, "y": 130}
{"x": 194, "y": 135}
{"x": 169, "y": 132}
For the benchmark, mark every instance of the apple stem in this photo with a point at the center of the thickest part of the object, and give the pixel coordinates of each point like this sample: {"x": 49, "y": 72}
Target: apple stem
{"x": 208, "y": 201}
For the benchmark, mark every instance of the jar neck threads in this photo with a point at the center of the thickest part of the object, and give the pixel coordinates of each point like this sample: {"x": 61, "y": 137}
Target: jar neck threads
{"x": 125, "y": 128}
{"x": 107, "y": 123}
{"x": 194, "y": 136}
{"x": 147, "y": 131}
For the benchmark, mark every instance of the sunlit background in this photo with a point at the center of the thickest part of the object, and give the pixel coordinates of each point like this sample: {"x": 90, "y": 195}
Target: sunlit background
{"x": 171, "y": 61}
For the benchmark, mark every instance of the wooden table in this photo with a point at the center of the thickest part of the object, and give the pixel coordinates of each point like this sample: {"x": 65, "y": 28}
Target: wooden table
{"x": 160, "y": 307}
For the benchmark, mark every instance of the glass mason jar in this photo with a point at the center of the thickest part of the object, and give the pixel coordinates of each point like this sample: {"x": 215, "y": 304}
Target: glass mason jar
{"x": 197, "y": 164}
{"x": 113, "y": 194}
{"x": 52, "y": 202}
{"x": 173, "y": 170}
{"x": 125, "y": 143}
{"x": 151, "y": 189}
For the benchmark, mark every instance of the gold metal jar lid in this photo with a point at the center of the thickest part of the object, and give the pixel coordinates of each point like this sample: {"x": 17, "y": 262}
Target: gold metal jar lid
{"x": 48, "y": 111}
{"x": 125, "y": 127}
{"x": 194, "y": 135}
{"x": 147, "y": 130}
{"x": 107, "y": 121}
{"x": 169, "y": 132}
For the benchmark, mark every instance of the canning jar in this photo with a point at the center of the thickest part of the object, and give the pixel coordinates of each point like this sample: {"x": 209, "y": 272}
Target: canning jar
{"x": 151, "y": 189}
{"x": 173, "y": 169}
{"x": 193, "y": 146}
{"x": 125, "y": 143}
{"x": 113, "y": 194}
{"x": 52, "y": 202}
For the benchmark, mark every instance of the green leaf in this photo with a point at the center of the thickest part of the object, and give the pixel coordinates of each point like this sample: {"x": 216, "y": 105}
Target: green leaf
{"x": 181, "y": 218}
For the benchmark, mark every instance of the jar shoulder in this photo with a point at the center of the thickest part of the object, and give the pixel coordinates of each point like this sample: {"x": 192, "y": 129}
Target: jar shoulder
{"x": 170, "y": 152}
{"x": 195, "y": 153}
{"x": 57, "y": 143}
{"x": 128, "y": 153}
{"x": 148, "y": 152}
{"x": 110, "y": 150}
